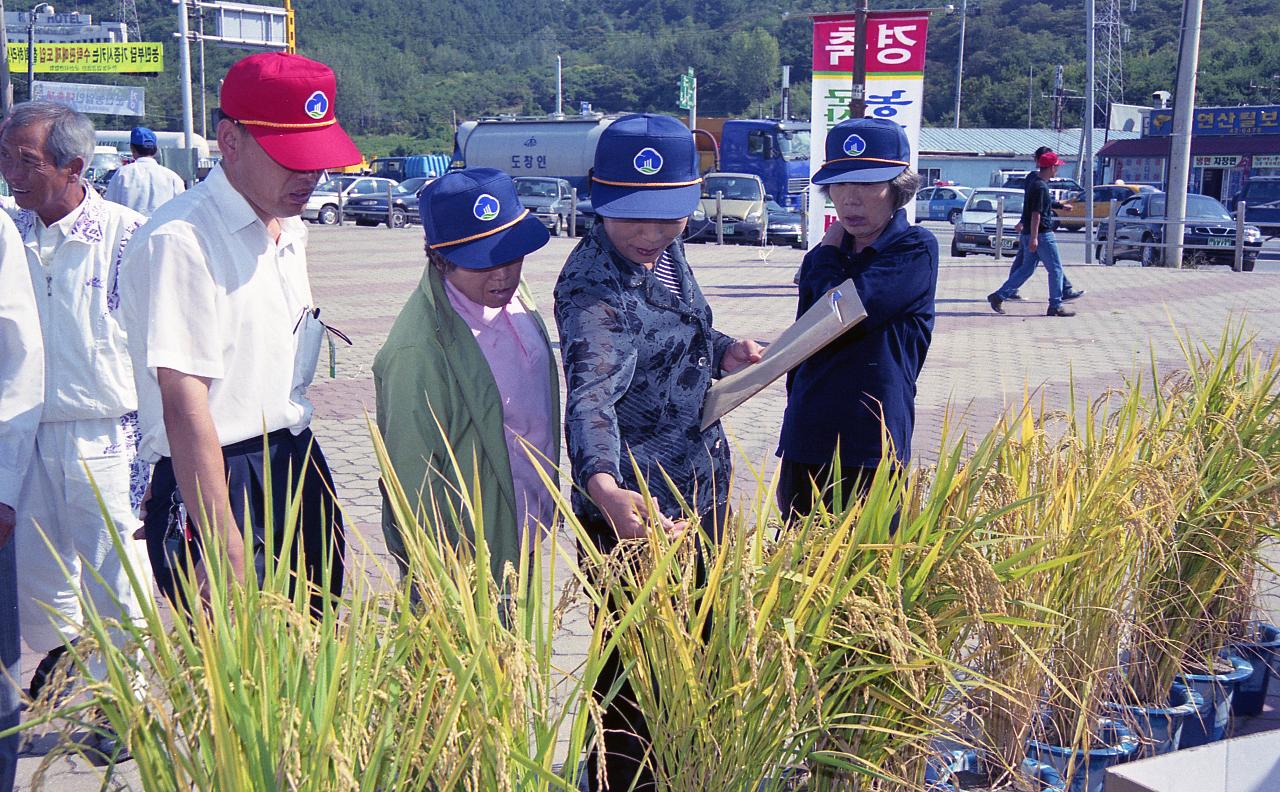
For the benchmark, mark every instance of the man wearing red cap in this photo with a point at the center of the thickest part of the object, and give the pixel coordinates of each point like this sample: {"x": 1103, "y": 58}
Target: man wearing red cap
{"x": 1038, "y": 242}
{"x": 225, "y": 335}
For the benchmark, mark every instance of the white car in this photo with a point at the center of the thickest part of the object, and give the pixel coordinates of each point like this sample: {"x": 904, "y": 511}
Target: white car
{"x": 323, "y": 205}
{"x": 976, "y": 230}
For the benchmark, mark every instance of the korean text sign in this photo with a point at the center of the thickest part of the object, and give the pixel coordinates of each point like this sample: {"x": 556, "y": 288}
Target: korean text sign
{"x": 130, "y": 58}
{"x": 895, "y": 85}
{"x": 105, "y": 99}
{"x": 1261, "y": 120}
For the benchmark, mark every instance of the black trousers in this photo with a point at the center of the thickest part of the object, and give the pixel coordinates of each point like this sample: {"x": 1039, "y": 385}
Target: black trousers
{"x": 796, "y": 482}
{"x": 626, "y": 734}
{"x": 172, "y": 536}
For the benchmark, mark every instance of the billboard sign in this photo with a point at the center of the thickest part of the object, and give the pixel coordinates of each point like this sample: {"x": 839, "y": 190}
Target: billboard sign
{"x": 250, "y": 26}
{"x": 122, "y": 100}
{"x": 1263, "y": 120}
{"x": 895, "y": 85}
{"x": 131, "y": 58}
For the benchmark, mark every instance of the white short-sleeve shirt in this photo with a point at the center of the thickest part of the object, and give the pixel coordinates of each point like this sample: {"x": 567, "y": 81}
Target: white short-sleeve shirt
{"x": 208, "y": 292}
{"x": 144, "y": 186}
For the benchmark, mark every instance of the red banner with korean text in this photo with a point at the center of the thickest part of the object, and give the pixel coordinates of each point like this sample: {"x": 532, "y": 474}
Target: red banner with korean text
{"x": 895, "y": 59}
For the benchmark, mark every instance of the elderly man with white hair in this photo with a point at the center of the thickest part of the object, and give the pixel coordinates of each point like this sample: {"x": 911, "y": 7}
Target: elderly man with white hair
{"x": 88, "y": 432}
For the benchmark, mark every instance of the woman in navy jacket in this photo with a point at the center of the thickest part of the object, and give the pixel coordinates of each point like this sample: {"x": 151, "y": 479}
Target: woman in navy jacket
{"x": 860, "y": 390}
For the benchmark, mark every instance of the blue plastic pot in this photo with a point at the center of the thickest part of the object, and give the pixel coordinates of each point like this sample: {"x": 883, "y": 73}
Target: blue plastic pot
{"x": 1264, "y": 654}
{"x": 957, "y": 769}
{"x": 1091, "y": 768}
{"x": 1210, "y": 723}
{"x": 938, "y": 778}
{"x": 1159, "y": 729}
{"x": 1043, "y": 777}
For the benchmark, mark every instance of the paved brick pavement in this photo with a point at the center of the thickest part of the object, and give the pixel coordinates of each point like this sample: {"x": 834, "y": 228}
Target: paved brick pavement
{"x": 979, "y": 363}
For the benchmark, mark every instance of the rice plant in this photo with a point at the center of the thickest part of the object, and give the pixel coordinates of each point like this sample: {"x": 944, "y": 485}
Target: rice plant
{"x": 1214, "y": 431}
{"x": 438, "y": 684}
{"x": 985, "y": 599}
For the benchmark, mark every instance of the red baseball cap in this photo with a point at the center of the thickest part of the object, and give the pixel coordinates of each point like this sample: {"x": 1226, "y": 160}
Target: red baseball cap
{"x": 1049, "y": 159}
{"x": 286, "y": 102}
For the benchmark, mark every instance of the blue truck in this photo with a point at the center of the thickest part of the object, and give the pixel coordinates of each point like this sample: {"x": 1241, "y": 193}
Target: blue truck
{"x": 564, "y": 148}
{"x": 776, "y": 151}
{"x": 401, "y": 168}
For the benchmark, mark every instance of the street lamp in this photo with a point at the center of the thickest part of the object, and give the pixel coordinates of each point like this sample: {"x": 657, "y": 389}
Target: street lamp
{"x": 41, "y": 8}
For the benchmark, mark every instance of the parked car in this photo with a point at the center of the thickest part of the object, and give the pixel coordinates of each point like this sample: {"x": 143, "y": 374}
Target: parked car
{"x": 416, "y": 184}
{"x": 585, "y": 216}
{"x": 371, "y": 210}
{"x": 1261, "y": 196}
{"x": 1208, "y": 224}
{"x": 323, "y": 205}
{"x": 976, "y": 229}
{"x": 783, "y": 226}
{"x": 104, "y": 164}
{"x": 941, "y": 203}
{"x": 1106, "y": 197}
{"x": 548, "y": 199}
{"x": 742, "y": 203}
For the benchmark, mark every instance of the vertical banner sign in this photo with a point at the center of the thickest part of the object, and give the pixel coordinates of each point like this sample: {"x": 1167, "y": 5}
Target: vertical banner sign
{"x": 895, "y": 86}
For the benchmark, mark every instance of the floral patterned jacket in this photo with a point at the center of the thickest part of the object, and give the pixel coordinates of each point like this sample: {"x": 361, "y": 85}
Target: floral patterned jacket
{"x": 638, "y": 362}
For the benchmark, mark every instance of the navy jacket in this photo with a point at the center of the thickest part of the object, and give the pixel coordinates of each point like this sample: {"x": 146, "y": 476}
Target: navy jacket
{"x": 838, "y": 394}
{"x": 637, "y": 365}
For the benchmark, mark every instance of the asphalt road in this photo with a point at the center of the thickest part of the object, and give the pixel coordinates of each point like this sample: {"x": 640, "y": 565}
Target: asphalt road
{"x": 1071, "y": 244}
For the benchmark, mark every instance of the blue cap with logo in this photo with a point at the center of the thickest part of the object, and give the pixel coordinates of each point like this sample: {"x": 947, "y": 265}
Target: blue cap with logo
{"x": 864, "y": 150}
{"x": 141, "y": 136}
{"x": 646, "y": 168}
{"x": 474, "y": 219}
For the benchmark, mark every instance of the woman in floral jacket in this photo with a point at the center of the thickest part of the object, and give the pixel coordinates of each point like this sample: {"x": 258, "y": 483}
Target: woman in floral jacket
{"x": 639, "y": 353}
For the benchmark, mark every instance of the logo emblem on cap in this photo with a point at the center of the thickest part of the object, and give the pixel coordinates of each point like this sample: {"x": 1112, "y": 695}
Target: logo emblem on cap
{"x": 317, "y": 105}
{"x": 648, "y": 161}
{"x": 486, "y": 208}
{"x": 854, "y": 145}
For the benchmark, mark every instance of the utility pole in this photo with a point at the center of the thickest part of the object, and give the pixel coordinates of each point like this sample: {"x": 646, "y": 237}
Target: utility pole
{"x": 559, "y": 88}
{"x": 964, "y": 16}
{"x": 184, "y": 80}
{"x": 693, "y": 106}
{"x": 786, "y": 94}
{"x": 1180, "y": 146}
{"x": 1086, "y": 154}
{"x": 858, "y": 96}
{"x": 6, "y": 86}
{"x": 1058, "y": 98}
{"x": 1031, "y": 77}
{"x": 204, "y": 108}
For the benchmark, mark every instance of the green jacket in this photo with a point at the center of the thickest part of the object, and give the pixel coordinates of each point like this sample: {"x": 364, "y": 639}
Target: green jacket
{"x": 431, "y": 362}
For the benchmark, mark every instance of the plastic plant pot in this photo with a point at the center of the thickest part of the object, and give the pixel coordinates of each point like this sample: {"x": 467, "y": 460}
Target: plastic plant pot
{"x": 1090, "y": 770}
{"x": 962, "y": 769}
{"x": 1210, "y": 723}
{"x": 1159, "y": 729}
{"x": 1264, "y": 653}
{"x": 1041, "y": 777}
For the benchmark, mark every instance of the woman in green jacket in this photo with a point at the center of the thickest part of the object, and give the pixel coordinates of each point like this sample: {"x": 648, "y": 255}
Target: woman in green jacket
{"x": 466, "y": 384}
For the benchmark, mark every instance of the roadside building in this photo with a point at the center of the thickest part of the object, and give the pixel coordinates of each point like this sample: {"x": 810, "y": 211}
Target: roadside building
{"x": 1229, "y": 146}
{"x": 979, "y": 157}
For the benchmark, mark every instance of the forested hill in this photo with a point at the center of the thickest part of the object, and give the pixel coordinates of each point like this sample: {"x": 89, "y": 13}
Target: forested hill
{"x": 406, "y": 67}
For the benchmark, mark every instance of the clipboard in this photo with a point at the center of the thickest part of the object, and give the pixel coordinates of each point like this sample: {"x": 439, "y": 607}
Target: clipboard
{"x": 830, "y": 317}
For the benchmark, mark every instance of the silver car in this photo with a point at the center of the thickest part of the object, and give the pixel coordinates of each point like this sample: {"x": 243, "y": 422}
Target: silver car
{"x": 323, "y": 205}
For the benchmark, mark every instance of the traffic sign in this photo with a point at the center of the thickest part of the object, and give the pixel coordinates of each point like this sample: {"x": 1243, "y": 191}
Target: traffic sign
{"x": 685, "y": 101}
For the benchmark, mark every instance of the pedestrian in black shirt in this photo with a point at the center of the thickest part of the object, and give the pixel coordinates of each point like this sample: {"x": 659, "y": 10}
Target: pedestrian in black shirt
{"x": 1069, "y": 292}
{"x": 1037, "y": 239}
